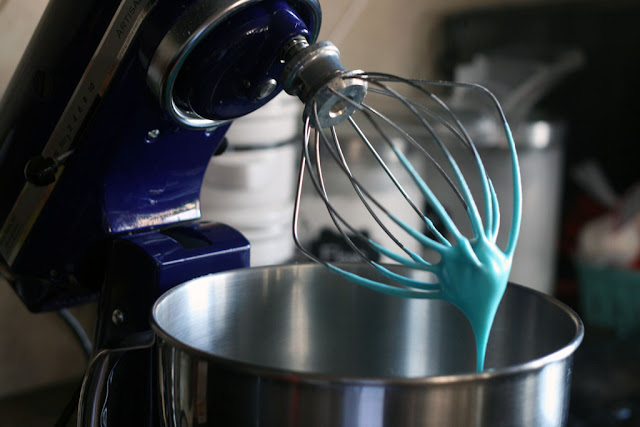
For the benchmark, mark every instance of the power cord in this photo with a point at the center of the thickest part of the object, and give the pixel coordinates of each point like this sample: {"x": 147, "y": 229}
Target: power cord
{"x": 77, "y": 329}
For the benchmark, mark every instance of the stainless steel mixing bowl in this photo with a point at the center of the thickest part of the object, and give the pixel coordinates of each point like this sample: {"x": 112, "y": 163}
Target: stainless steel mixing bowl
{"x": 298, "y": 346}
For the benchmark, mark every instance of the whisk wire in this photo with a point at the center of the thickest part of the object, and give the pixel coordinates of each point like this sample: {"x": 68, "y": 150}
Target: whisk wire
{"x": 424, "y": 189}
{"x": 333, "y": 145}
{"x": 334, "y": 148}
{"x": 361, "y": 191}
{"x": 491, "y": 209}
{"x": 336, "y": 218}
{"x": 384, "y": 166}
{"x": 515, "y": 168}
{"x": 492, "y": 235}
{"x": 419, "y": 146}
{"x": 425, "y": 288}
{"x": 430, "y": 243}
{"x": 461, "y": 133}
{"x": 472, "y": 210}
{"x": 430, "y": 226}
{"x": 431, "y": 113}
{"x": 492, "y": 216}
{"x": 415, "y": 260}
{"x": 306, "y": 167}
{"x": 366, "y": 109}
{"x": 462, "y": 136}
{"x": 318, "y": 181}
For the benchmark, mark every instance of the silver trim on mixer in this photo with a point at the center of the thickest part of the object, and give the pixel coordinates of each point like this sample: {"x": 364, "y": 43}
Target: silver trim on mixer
{"x": 315, "y": 74}
{"x": 192, "y": 27}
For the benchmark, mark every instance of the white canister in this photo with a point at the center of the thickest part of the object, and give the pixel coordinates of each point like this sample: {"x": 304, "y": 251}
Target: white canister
{"x": 251, "y": 186}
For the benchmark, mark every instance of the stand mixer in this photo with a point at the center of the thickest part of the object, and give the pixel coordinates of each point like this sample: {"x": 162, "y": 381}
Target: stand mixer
{"x": 105, "y": 134}
{"x": 101, "y": 195}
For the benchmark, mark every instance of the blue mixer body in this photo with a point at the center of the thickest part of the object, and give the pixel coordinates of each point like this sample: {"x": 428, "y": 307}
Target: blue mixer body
{"x": 133, "y": 168}
{"x": 116, "y": 217}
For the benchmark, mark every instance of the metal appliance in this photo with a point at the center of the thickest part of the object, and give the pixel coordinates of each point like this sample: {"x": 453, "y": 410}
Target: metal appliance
{"x": 106, "y": 130}
{"x": 324, "y": 351}
{"x": 99, "y": 196}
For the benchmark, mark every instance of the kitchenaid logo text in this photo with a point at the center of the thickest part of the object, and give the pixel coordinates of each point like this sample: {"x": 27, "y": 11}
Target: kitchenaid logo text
{"x": 128, "y": 18}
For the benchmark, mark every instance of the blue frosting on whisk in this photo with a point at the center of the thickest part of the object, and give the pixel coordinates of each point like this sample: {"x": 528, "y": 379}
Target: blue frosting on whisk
{"x": 472, "y": 272}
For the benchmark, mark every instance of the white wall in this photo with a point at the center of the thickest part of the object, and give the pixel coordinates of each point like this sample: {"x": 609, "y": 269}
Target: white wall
{"x": 395, "y": 36}
{"x": 18, "y": 19}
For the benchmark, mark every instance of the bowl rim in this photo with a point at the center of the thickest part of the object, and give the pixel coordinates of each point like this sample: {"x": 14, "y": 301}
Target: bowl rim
{"x": 248, "y": 368}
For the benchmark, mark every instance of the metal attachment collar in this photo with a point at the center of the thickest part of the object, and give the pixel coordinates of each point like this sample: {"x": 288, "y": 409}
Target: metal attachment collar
{"x": 315, "y": 74}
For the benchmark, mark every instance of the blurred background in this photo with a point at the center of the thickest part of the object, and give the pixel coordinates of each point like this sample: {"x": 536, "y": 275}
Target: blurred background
{"x": 568, "y": 69}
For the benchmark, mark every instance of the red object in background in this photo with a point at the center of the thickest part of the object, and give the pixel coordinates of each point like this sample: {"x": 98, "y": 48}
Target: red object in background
{"x": 578, "y": 212}
{"x": 582, "y": 210}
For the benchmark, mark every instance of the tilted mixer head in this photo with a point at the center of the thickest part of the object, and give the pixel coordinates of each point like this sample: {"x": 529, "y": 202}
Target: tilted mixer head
{"x": 469, "y": 269}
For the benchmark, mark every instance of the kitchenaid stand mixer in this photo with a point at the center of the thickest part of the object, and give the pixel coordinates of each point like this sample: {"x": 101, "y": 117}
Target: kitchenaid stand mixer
{"x": 100, "y": 195}
{"x": 105, "y": 134}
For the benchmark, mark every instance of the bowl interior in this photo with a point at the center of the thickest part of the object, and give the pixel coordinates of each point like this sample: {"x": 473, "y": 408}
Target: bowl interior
{"x": 304, "y": 319}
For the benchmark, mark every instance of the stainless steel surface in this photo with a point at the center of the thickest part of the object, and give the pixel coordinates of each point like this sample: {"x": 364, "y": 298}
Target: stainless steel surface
{"x": 313, "y": 224}
{"x": 182, "y": 38}
{"x": 316, "y": 75}
{"x": 298, "y": 346}
{"x": 92, "y": 405}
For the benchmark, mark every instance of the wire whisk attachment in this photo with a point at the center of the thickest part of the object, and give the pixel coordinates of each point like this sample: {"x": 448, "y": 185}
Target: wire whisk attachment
{"x": 462, "y": 262}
